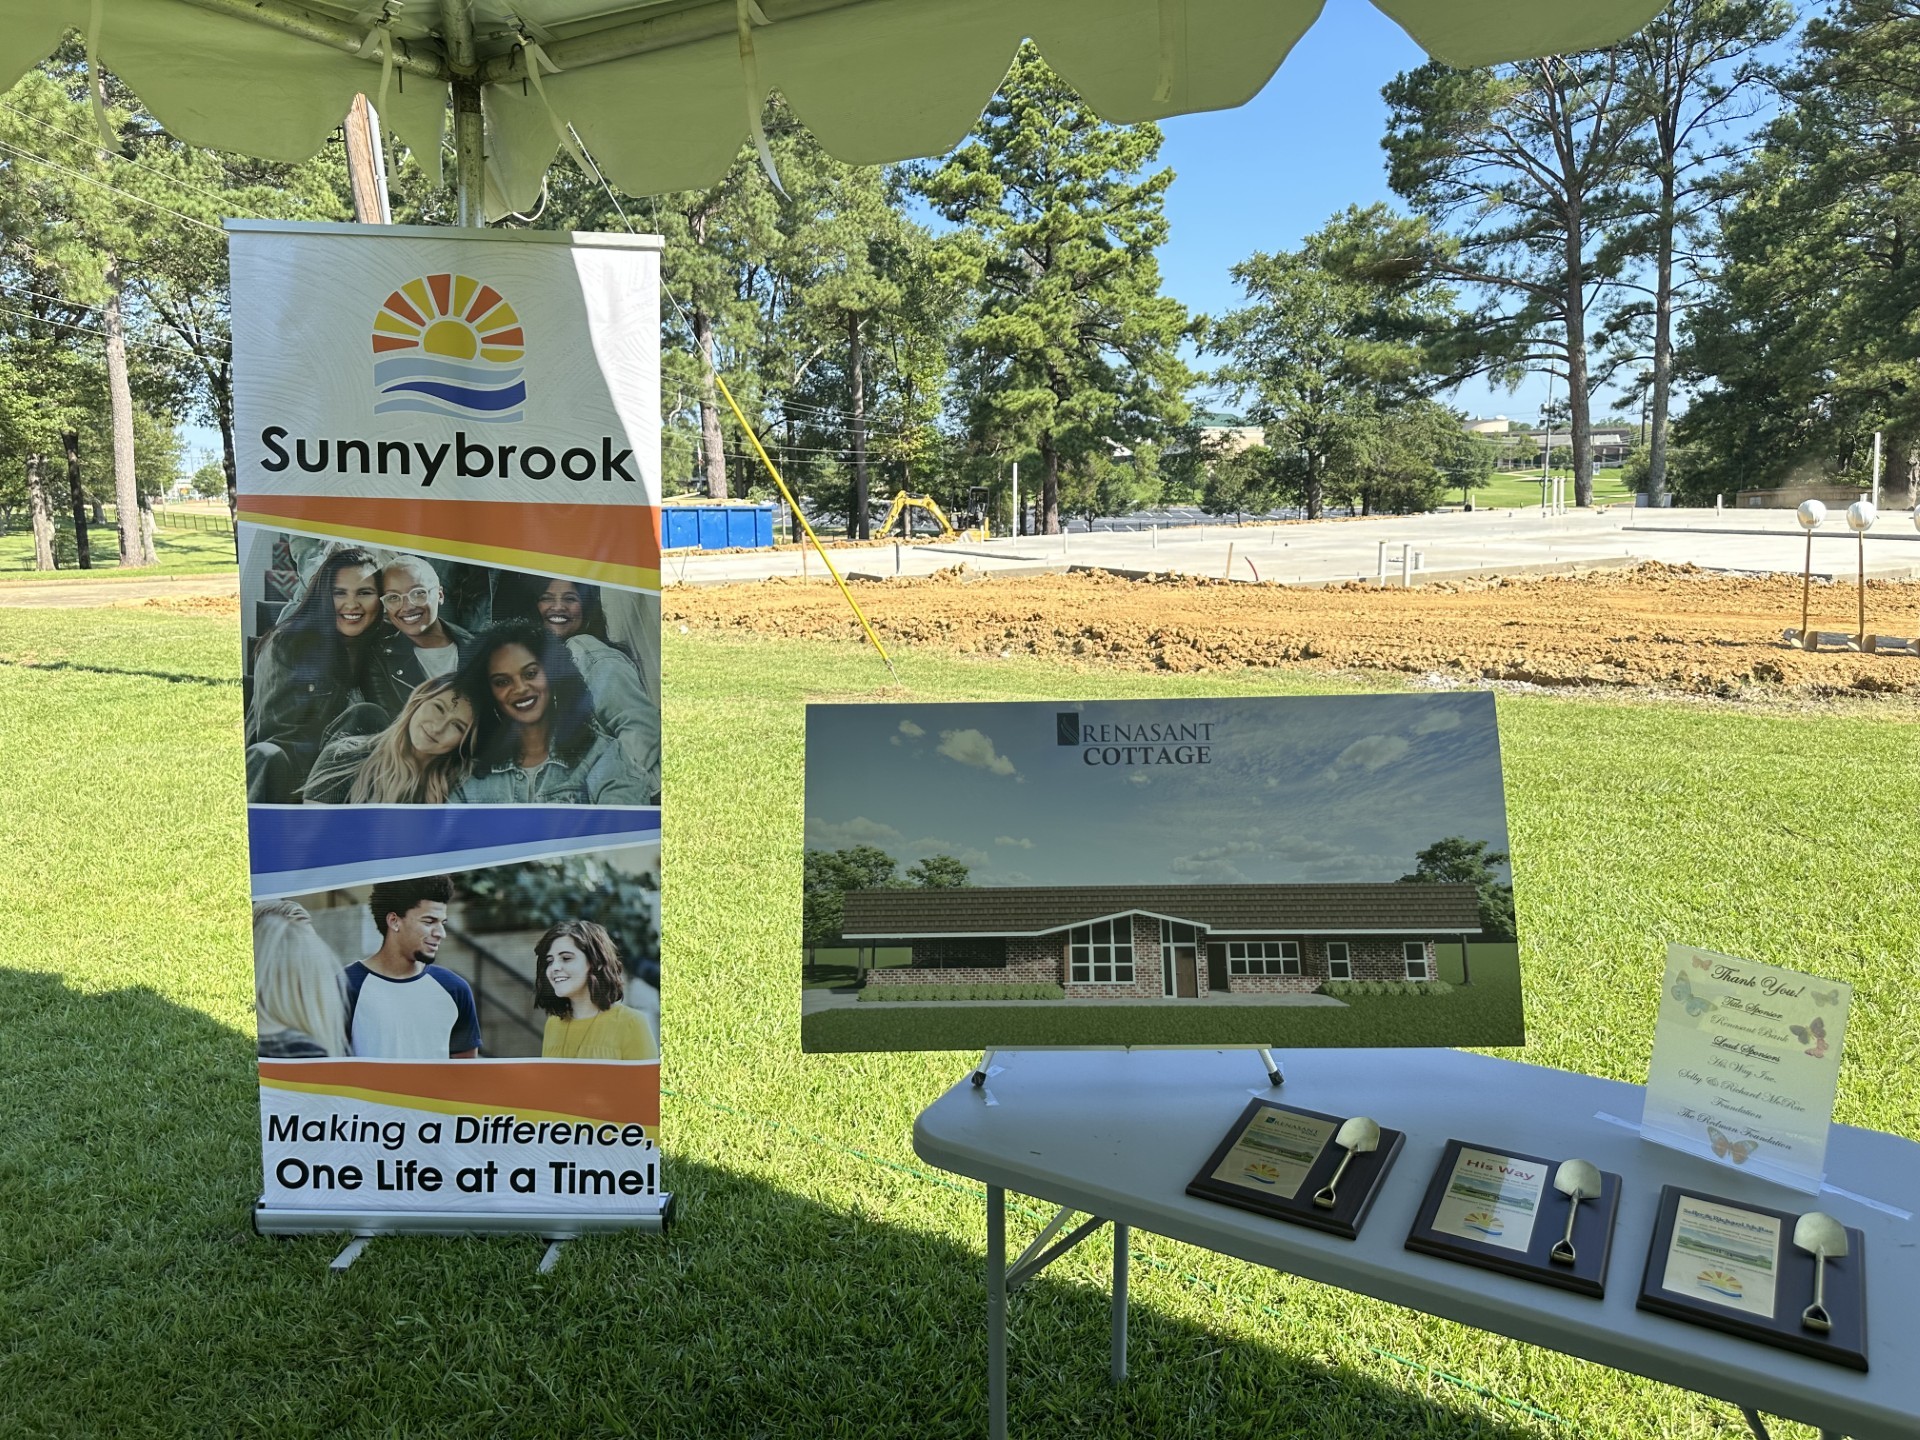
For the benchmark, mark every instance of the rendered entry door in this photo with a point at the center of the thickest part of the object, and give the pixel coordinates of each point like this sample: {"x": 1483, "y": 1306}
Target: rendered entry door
{"x": 1180, "y": 960}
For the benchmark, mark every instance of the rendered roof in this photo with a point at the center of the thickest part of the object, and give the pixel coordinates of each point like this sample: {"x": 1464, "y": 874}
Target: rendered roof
{"x": 1243, "y": 909}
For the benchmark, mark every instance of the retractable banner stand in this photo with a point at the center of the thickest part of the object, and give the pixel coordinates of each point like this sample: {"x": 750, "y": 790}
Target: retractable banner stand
{"x": 448, "y": 448}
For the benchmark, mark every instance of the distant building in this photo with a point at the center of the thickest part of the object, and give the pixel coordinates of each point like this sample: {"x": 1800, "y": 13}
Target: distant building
{"x": 1527, "y": 449}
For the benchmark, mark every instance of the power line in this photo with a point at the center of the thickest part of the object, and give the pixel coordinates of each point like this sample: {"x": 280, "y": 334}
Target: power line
{"x": 81, "y": 135}
{"x": 96, "y": 180}
{"x": 134, "y": 341}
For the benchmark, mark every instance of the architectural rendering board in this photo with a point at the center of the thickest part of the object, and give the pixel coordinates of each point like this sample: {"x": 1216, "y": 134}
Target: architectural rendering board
{"x": 1296, "y": 872}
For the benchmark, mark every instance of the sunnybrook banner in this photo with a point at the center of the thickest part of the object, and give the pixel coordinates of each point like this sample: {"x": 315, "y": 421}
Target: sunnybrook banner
{"x": 449, "y": 480}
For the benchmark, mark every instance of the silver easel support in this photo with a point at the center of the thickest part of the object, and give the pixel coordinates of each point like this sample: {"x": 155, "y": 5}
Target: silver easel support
{"x": 1276, "y": 1077}
{"x": 979, "y": 1076}
{"x": 552, "y": 1258}
{"x": 355, "y": 1248}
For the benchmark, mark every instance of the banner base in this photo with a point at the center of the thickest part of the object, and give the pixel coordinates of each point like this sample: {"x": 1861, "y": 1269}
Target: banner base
{"x": 268, "y": 1220}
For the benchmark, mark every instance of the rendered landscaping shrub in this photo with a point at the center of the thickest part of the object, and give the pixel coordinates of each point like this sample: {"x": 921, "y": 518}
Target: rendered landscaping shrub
{"x": 963, "y": 992}
{"x": 1355, "y": 989}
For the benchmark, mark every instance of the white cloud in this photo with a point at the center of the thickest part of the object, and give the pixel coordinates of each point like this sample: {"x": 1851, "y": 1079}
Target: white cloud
{"x": 1140, "y": 777}
{"x": 933, "y": 845}
{"x": 1435, "y": 722}
{"x": 907, "y": 727}
{"x": 972, "y": 747}
{"x": 1216, "y": 862}
{"x": 1021, "y": 844}
{"x": 844, "y": 836}
{"x": 1370, "y": 753}
{"x": 895, "y": 739}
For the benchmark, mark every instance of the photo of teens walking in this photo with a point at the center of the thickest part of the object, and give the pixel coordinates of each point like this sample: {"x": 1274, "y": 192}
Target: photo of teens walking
{"x": 400, "y": 998}
{"x": 386, "y": 678}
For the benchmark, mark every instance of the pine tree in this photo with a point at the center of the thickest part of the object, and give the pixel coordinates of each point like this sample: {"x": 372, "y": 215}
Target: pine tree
{"x": 1074, "y": 347}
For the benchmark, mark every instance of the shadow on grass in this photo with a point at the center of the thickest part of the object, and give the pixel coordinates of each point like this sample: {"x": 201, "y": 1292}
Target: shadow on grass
{"x": 128, "y": 1270}
{"x": 172, "y": 677}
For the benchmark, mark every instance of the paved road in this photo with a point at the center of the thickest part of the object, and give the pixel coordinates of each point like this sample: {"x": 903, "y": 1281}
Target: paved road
{"x": 81, "y": 594}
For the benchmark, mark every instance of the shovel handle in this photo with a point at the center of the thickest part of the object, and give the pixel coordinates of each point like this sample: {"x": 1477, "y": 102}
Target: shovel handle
{"x": 1324, "y": 1197}
{"x": 1563, "y": 1252}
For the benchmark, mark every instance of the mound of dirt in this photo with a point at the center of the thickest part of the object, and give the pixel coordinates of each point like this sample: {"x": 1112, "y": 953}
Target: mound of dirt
{"x": 1652, "y": 627}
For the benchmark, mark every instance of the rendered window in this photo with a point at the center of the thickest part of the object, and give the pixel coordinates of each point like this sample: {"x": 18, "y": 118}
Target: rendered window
{"x": 1416, "y": 953}
{"x": 1339, "y": 960}
{"x": 1263, "y": 957}
{"x": 1101, "y": 953}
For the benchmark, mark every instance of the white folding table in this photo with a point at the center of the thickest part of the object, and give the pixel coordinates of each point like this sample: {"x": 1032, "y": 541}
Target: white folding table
{"x": 1116, "y": 1136}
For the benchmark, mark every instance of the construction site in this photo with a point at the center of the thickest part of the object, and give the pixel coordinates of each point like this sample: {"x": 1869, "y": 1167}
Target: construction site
{"x": 1684, "y": 602}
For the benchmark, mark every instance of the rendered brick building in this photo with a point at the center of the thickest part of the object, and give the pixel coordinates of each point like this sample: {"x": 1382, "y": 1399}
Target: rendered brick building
{"x": 1153, "y": 941}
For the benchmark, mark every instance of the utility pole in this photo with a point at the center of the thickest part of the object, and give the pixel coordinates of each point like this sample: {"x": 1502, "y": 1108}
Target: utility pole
{"x": 366, "y": 165}
{"x": 1018, "y": 529}
{"x": 1876, "y": 470}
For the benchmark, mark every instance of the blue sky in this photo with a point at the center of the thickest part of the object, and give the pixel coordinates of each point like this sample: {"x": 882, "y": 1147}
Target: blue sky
{"x": 1296, "y": 790}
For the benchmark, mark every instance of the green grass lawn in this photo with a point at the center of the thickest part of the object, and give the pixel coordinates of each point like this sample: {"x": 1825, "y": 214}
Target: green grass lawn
{"x": 180, "y": 551}
{"x": 820, "y": 1281}
{"x": 1509, "y": 491}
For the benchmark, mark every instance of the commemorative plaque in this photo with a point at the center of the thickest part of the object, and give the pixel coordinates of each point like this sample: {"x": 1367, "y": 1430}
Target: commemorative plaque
{"x": 1796, "y": 1281}
{"x": 1301, "y": 1166}
{"x": 1542, "y": 1220}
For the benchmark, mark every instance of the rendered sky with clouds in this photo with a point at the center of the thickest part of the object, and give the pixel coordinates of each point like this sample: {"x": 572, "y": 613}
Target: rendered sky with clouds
{"x": 1298, "y": 790}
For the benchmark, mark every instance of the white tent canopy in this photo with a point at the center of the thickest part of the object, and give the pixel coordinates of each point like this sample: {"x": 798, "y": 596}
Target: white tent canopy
{"x": 663, "y": 92}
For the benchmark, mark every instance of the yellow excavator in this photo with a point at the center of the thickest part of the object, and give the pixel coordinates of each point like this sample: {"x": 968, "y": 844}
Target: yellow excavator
{"x": 975, "y": 519}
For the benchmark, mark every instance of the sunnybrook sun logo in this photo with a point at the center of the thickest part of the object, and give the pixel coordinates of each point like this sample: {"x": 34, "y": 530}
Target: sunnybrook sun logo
{"x": 449, "y": 345}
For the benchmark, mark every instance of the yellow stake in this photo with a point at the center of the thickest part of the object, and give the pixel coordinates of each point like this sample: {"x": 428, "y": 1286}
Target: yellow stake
{"x": 794, "y": 505}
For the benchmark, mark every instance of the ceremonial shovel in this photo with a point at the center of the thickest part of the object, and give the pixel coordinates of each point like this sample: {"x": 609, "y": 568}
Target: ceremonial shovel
{"x": 1355, "y": 1136}
{"x": 1824, "y": 1238}
{"x": 1577, "y": 1180}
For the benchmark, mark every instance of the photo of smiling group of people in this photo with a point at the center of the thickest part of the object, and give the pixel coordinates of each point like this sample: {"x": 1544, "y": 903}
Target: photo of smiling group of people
{"x": 387, "y": 678}
{"x": 552, "y": 958}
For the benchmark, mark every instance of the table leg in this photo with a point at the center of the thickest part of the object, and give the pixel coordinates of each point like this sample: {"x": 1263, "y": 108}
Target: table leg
{"x": 1755, "y": 1423}
{"x": 996, "y": 1313}
{"x": 1119, "y": 1370}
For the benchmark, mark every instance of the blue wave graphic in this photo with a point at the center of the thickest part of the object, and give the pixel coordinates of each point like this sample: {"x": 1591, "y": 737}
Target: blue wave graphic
{"x": 415, "y": 366}
{"x": 402, "y": 403}
{"x": 468, "y": 389}
{"x": 463, "y": 395}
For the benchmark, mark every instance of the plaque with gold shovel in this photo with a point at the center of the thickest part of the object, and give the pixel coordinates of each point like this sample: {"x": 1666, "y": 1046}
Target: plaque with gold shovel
{"x": 1300, "y": 1165}
{"x": 1796, "y": 1281}
{"x": 1549, "y": 1221}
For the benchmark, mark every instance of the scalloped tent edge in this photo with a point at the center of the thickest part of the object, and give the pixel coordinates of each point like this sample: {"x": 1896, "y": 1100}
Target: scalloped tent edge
{"x": 662, "y": 92}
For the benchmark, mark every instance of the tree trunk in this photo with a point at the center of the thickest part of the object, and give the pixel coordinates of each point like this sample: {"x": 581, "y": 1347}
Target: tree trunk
{"x": 97, "y": 512}
{"x": 77, "y": 497}
{"x": 148, "y": 555}
{"x": 1316, "y": 485}
{"x": 1662, "y": 344}
{"x": 858, "y": 523}
{"x": 1050, "y": 488}
{"x": 1579, "y": 403}
{"x": 40, "y": 513}
{"x": 712, "y": 441}
{"x": 126, "y": 488}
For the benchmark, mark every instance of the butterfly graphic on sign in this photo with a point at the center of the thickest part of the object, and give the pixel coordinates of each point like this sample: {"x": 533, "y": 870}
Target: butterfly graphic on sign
{"x": 1725, "y": 1149}
{"x": 1682, "y": 991}
{"x": 1700, "y": 963}
{"x": 1813, "y": 1035}
{"x": 1826, "y": 999}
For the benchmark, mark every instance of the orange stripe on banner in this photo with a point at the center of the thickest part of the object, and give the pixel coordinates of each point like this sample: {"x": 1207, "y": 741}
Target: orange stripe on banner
{"x": 632, "y": 531}
{"x": 572, "y": 567}
{"x": 623, "y": 1094}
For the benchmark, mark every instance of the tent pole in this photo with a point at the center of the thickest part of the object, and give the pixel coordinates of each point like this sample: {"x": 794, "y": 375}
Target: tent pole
{"x": 469, "y": 152}
{"x": 469, "y": 132}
